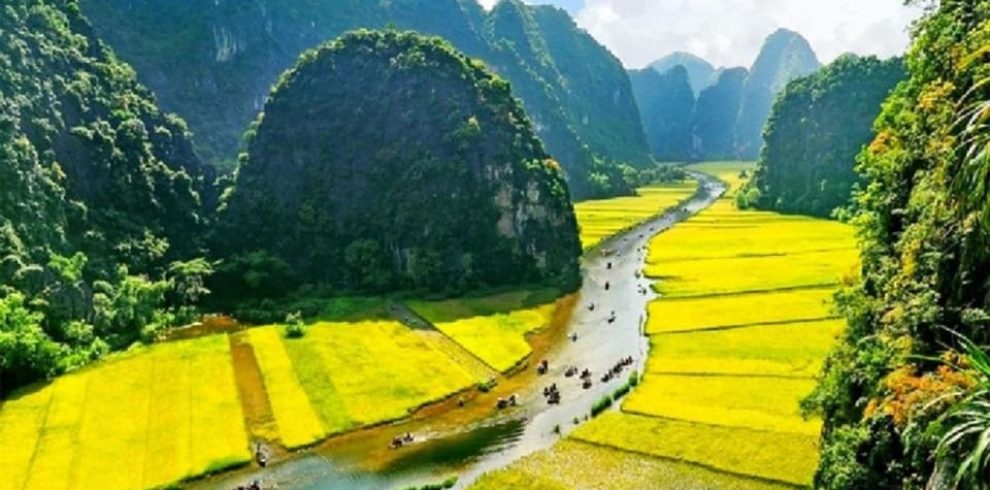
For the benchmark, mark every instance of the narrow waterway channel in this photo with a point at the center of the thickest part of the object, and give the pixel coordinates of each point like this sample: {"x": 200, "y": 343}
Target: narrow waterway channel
{"x": 448, "y": 444}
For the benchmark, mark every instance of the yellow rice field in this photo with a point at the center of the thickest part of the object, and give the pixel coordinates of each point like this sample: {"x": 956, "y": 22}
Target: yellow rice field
{"x": 600, "y": 219}
{"x": 345, "y": 375}
{"x": 146, "y": 418}
{"x": 786, "y": 350}
{"x": 742, "y": 326}
{"x": 492, "y": 328}
{"x": 576, "y": 464}
{"x": 780, "y": 457}
{"x": 687, "y": 314}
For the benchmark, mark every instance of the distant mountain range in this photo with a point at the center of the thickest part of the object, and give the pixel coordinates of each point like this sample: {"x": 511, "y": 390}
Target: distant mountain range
{"x": 729, "y": 106}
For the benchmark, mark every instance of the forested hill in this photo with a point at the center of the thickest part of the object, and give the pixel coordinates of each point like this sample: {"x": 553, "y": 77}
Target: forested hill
{"x": 452, "y": 192}
{"x": 785, "y": 56}
{"x": 818, "y": 126}
{"x": 93, "y": 177}
{"x": 214, "y": 62}
{"x": 891, "y": 392}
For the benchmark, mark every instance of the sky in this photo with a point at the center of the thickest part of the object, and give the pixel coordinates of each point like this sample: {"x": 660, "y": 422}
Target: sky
{"x": 730, "y": 32}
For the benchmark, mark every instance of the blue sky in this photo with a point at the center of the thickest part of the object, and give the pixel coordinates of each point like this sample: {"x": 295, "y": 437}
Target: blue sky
{"x": 730, "y": 32}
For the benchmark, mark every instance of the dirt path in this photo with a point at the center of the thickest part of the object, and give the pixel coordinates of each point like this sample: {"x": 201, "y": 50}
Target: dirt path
{"x": 258, "y": 415}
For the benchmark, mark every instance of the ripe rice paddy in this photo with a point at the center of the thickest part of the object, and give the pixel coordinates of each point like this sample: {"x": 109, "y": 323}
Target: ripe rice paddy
{"x": 172, "y": 409}
{"x": 603, "y": 218}
{"x": 742, "y": 326}
{"x": 175, "y": 409}
{"x": 577, "y": 464}
{"x": 492, "y": 328}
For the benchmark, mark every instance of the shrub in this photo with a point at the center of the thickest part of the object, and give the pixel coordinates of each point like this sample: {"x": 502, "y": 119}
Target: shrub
{"x": 604, "y": 403}
{"x": 294, "y": 328}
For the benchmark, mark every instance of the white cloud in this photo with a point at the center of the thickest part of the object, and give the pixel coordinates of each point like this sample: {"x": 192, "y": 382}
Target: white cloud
{"x": 730, "y": 32}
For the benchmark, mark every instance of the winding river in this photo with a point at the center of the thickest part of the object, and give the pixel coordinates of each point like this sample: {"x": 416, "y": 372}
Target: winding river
{"x": 467, "y": 443}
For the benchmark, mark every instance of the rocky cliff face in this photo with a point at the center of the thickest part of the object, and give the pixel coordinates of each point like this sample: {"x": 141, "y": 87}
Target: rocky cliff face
{"x": 214, "y": 62}
{"x": 701, "y": 73}
{"x": 666, "y": 104}
{"x": 715, "y": 113}
{"x": 785, "y": 55}
{"x": 386, "y": 160}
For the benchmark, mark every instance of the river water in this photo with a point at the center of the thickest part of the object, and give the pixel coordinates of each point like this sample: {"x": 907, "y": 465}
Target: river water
{"x": 468, "y": 446}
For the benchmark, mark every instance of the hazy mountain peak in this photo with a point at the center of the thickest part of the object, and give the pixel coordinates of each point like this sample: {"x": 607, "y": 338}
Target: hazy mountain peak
{"x": 699, "y": 71}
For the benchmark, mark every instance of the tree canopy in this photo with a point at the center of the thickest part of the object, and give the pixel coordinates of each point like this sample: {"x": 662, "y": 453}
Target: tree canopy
{"x": 924, "y": 228}
{"x": 451, "y": 192}
{"x": 818, "y": 126}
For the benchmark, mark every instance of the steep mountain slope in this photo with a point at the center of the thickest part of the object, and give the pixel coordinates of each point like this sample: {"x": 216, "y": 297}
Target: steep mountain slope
{"x": 93, "y": 177}
{"x": 386, "y": 160}
{"x": 818, "y": 126}
{"x": 214, "y": 62}
{"x": 666, "y": 105}
{"x": 701, "y": 72}
{"x": 893, "y": 390}
{"x": 715, "y": 113}
{"x": 785, "y": 55}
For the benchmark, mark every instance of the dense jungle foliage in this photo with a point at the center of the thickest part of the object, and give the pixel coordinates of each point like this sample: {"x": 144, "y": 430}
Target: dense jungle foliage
{"x": 924, "y": 225}
{"x": 104, "y": 202}
{"x": 214, "y": 62}
{"x": 452, "y": 191}
{"x": 666, "y": 102}
{"x": 818, "y": 126}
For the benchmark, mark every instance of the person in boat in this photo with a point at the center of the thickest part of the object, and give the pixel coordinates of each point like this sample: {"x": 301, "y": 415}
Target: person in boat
{"x": 543, "y": 367}
{"x": 259, "y": 455}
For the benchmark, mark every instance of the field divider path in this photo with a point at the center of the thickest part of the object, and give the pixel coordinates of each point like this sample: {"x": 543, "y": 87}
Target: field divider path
{"x": 259, "y": 417}
{"x": 457, "y": 353}
{"x": 742, "y": 326}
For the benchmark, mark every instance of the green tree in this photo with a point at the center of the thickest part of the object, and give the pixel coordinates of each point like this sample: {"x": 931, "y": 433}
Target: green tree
{"x": 818, "y": 126}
